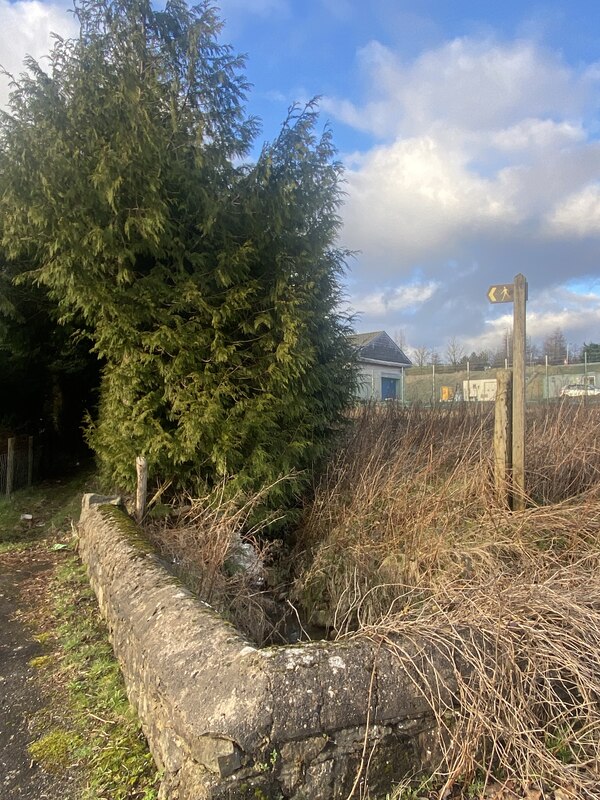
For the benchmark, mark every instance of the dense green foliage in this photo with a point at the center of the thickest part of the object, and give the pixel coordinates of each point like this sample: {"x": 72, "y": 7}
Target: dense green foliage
{"x": 208, "y": 285}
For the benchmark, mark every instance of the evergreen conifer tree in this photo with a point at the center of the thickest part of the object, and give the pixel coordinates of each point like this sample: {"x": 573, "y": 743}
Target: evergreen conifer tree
{"x": 209, "y": 285}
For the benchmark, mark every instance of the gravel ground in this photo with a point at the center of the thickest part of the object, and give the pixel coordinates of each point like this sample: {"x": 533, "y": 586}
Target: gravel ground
{"x": 21, "y": 692}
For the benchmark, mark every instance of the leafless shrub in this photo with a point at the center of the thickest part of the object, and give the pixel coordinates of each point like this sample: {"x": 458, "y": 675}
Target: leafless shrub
{"x": 209, "y": 543}
{"x": 523, "y": 699}
{"x": 406, "y": 541}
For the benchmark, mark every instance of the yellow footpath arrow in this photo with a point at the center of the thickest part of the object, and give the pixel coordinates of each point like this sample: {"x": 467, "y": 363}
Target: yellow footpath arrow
{"x": 501, "y": 293}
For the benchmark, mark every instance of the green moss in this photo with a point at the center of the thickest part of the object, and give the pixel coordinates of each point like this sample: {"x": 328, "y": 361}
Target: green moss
{"x": 15, "y": 547}
{"x": 134, "y": 536}
{"x": 127, "y": 526}
{"x": 40, "y": 661}
{"x": 53, "y": 503}
{"x": 56, "y": 750}
{"x": 97, "y": 730}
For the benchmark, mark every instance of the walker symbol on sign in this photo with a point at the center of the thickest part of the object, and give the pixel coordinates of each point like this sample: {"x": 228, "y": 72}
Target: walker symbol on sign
{"x": 501, "y": 293}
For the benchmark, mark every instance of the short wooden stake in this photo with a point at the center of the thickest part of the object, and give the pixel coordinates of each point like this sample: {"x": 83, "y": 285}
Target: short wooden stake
{"x": 141, "y": 465}
{"x": 503, "y": 436}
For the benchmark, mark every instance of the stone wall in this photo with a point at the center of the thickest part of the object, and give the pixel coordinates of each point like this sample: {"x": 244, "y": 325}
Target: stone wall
{"x": 227, "y": 720}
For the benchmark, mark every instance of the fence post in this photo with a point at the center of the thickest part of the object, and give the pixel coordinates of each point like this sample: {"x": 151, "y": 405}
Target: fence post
{"x": 141, "y": 465}
{"x": 10, "y": 466}
{"x": 503, "y": 435}
{"x": 468, "y": 381}
{"x": 30, "y": 461}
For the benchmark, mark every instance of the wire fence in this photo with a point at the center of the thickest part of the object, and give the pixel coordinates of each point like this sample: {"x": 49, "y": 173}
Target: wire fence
{"x": 434, "y": 384}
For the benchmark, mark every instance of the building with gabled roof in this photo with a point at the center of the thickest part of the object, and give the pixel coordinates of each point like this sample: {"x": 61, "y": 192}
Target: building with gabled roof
{"x": 381, "y": 366}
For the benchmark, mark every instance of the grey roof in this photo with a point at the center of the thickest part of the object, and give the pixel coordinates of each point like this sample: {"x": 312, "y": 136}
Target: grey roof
{"x": 378, "y": 346}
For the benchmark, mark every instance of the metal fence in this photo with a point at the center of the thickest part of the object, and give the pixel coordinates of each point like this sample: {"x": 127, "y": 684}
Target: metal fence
{"x": 544, "y": 382}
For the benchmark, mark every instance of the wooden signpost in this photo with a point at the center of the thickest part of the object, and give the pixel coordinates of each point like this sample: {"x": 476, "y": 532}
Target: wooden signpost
{"x": 515, "y": 293}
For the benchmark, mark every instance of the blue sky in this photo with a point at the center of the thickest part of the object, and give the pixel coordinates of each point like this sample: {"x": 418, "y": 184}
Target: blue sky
{"x": 470, "y": 133}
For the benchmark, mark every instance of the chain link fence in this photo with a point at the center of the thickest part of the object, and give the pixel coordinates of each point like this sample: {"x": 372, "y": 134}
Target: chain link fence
{"x": 435, "y": 384}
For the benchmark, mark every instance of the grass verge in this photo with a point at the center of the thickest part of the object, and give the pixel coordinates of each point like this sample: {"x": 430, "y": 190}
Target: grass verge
{"x": 31, "y": 516}
{"x": 97, "y": 728}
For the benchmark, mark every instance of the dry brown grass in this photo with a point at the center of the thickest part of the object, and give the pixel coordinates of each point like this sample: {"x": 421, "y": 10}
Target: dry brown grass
{"x": 407, "y": 541}
{"x": 409, "y": 504}
{"x": 523, "y": 702}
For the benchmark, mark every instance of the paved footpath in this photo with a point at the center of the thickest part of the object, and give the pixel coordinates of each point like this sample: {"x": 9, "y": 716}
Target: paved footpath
{"x": 21, "y": 693}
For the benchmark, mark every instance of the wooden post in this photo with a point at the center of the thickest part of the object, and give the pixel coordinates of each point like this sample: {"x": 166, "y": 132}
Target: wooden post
{"x": 468, "y": 381}
{"x": 10, "y": 466}
{"x": 518, "y": 426}
{"x": 503, "y": 435}
{"x": 141, "y": 465}
{"x": 30, "y": 461}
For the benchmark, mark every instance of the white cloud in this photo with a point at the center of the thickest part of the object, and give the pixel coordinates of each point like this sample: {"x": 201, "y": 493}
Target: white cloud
{"x": 476, "y": 84}
{"x": 577, "y": 323}
{"x": 481, "y": 84}
{"x": 475, "y": 157}
{"x": 26, "y": 28}
{"x": 485, "y": 164}
{"x": 400, "y": 298}
{"x": 576, "y": 314}
{"x": 413, "y": 198}
{"x": 578, "y": 214}
{"x": 537, "y": 135}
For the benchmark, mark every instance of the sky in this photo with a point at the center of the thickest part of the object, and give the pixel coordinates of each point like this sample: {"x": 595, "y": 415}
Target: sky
{"x": 470, "y": 136}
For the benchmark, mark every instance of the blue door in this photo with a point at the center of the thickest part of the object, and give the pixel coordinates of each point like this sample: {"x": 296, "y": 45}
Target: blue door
{"x": 389, "y": 388}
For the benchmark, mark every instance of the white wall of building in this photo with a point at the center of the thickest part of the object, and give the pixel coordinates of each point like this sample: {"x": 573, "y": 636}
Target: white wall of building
{"x": 370, "y": 381}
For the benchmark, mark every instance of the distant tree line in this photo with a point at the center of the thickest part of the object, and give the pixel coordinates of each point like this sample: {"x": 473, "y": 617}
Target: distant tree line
{"x": 554, "y": 348}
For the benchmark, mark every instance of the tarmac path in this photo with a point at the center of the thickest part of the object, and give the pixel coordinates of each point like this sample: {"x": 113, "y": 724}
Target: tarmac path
{"x": 23, "y": 578}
